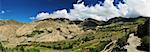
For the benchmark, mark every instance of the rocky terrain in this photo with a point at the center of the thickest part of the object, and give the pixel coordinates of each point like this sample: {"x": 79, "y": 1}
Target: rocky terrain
{"x": 62, "y": 35}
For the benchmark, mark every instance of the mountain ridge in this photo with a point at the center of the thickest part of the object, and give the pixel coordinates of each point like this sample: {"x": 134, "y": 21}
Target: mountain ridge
{"x": 62, "y": 34}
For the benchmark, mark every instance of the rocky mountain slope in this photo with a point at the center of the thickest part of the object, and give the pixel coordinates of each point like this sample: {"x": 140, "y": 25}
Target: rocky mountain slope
{"x": 63, "y": 35}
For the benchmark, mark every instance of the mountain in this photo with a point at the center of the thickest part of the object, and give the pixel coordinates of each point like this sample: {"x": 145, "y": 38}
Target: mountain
{"x": 64, "y": 35}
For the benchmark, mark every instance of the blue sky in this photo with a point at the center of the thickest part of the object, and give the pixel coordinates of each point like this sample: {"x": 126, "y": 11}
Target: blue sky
{"x": 22, "y": 10}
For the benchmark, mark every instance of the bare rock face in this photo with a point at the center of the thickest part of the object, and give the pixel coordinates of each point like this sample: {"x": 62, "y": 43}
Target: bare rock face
{"x": 41, "y": 31}
{"x": 53, "y": 37}
{"x": 8, "y": 33}
{"x": 63, "y": 34}
{"x": 25, "y": 29}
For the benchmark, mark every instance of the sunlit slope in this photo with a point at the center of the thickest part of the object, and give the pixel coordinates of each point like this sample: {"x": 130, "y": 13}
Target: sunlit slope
{"x": 61, "y": 34}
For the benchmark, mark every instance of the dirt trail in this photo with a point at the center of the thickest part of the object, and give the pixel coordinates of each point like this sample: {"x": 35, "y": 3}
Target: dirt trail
{"x": 133, "y": 41}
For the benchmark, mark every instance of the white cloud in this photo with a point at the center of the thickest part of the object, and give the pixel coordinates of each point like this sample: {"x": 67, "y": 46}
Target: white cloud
{"x": 138, "y": 7}
{"x": 79, "y": 1}
{"x": 43, "y": 15}
{"x": 132, "y": 8}
{"x": 2, "y": 12}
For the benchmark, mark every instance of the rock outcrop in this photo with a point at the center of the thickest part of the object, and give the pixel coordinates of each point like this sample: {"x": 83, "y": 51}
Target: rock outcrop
{"x": 65, "y": 35}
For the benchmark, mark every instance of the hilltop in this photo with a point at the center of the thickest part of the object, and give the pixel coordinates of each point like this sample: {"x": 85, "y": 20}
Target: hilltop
{"x": 61, "y": 34}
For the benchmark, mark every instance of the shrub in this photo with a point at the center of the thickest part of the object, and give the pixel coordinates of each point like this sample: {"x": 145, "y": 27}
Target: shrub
{"x": 145, "y": 40}
{"x": 35, "y": 32}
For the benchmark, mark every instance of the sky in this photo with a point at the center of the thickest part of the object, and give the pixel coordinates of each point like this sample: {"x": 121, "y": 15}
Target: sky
{"x": 22, "y": 10}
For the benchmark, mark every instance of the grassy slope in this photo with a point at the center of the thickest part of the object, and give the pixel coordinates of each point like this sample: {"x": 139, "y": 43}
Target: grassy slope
{"x": 96, "y": 41}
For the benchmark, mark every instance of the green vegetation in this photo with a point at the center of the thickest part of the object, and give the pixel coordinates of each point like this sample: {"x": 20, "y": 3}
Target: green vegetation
{"x": 145, "y": 40}
{"x": 19, "y": 49}
{"x": 35, "y": 32}
{"x": 102, "y": 38}
{"x": 1, "y": 47}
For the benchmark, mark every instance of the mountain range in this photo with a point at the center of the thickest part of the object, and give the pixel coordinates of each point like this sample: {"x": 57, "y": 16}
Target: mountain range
{"x": 63, "y": 35}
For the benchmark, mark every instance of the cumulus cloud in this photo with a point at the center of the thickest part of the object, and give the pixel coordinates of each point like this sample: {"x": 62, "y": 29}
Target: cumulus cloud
{"x": 79, "y": 1}
{"x": 42, "y": 16}
{"x": 138, "y": 7}
{"x": 132, "y": 8}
